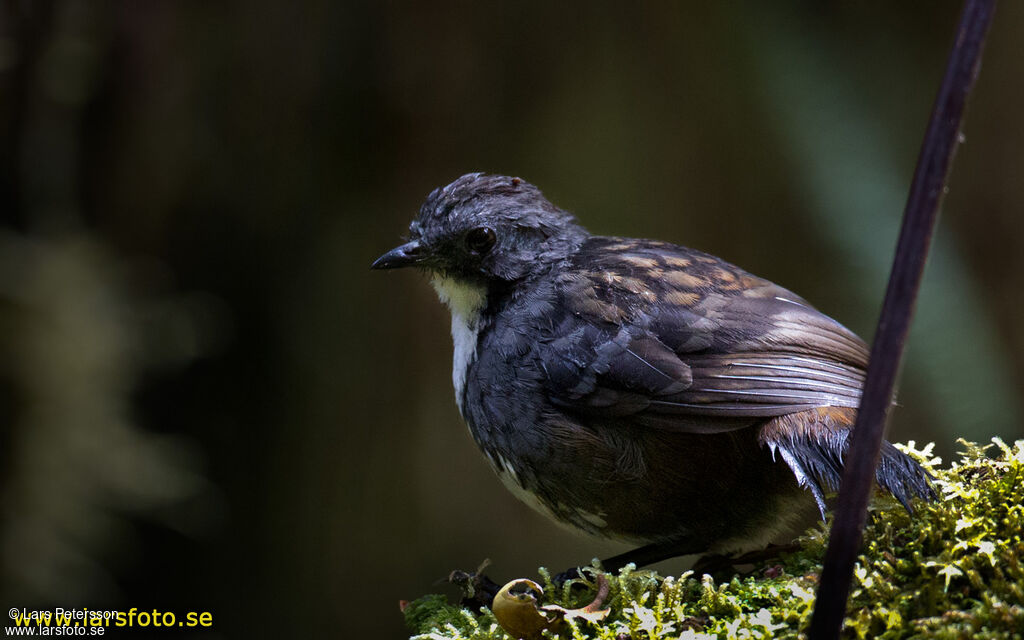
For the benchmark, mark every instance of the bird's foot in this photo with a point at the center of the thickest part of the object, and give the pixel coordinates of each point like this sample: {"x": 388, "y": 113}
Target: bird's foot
{"x": 583, "y": 576}
{"x": 478, "y": 590}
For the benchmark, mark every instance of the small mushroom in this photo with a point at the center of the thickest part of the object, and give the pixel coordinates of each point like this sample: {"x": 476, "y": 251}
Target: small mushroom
{"x": 517, "y": 610}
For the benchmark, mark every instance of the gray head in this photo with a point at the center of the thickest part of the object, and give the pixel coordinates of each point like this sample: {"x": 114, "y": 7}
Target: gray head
{"x": 486, "y": 228}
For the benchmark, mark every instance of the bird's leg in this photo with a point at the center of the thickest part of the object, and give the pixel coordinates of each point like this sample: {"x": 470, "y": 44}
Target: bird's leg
{"x": 641, "y": 557}
{"x": 649, "y": 554}
{"x": 714, "y": 563}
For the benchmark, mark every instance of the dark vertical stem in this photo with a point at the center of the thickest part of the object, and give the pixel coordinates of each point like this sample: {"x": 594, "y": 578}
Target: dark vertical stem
{"x": 919, "y": 220}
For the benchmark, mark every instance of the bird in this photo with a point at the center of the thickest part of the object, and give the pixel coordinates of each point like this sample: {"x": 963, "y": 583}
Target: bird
{"x": 638, "y": 390}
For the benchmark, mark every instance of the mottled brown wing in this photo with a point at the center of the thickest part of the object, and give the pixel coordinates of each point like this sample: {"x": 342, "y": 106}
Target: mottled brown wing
{"x": 679, "y": 339}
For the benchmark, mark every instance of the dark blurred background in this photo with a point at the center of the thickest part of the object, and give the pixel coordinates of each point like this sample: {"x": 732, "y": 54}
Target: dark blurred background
{"x": 209, "y": 402}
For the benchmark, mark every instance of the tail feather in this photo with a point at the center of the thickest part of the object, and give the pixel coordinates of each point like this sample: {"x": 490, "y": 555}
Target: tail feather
{"x": 814, "y": 443}
{"x": 903, "y": 477}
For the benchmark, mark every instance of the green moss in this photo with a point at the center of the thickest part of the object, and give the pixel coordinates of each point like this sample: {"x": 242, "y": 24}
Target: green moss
{"x": 953, "y": 570}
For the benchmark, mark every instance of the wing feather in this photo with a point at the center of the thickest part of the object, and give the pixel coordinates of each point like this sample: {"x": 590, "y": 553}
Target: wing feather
{"x": 669, "y": 336}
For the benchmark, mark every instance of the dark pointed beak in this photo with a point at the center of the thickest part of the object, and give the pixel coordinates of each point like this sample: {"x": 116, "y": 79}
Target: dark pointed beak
{"x": 404, "y": 256}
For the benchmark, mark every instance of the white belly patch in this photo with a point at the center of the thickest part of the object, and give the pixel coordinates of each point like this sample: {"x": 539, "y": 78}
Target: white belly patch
{"x": 465, "y": 301}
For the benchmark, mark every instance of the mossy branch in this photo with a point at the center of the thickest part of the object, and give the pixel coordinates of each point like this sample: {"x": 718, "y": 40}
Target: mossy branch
{"x": 954, "y": 569}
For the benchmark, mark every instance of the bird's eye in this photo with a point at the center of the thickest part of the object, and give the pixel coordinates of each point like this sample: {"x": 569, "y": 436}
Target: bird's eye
{"x": 480, "y": 240}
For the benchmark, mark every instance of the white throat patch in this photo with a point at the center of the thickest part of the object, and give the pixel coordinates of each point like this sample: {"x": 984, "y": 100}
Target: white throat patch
{"x": 465, "y": 301}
